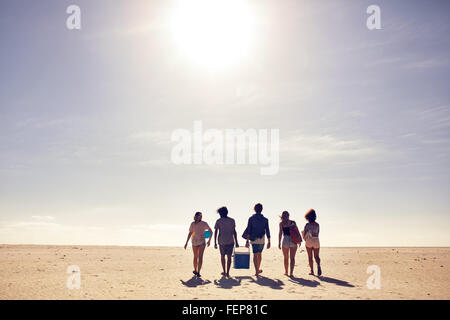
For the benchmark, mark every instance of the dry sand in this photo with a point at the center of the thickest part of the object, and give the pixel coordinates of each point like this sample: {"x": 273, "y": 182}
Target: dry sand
{"x": 39, "y": 272}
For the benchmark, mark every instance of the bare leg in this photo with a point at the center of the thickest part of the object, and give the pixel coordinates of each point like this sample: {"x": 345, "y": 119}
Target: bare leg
{"x": 310, "y": 259}
{"x": 201, "y": 250}
{"x": 316, "y": 257}
{"x": 255, "y": 262}
{"x": 228, "y": 265}
{"x": 292, "y": 253}
{"x": 286, "y": 260}
{"x": 195, "y": 250}
{"x": 222, "y": 260}
{"x": 259, "y": 262}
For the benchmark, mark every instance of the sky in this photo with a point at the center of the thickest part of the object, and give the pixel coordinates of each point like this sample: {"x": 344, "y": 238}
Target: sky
{"x": 86, "y": 118}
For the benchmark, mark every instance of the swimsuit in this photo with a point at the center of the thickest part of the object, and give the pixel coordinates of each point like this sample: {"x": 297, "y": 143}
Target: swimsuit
{"x": 287, "y": 241}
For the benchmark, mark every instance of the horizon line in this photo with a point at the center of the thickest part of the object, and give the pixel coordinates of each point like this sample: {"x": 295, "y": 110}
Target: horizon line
{"x": 212, "y": 246}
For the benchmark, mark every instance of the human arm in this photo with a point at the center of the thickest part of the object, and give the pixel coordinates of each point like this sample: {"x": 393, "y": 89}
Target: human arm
{"x": 303, "y": 232}
{"x": 280, "y": 234}
{"x": 216, "y": 231}
{"x": 249, "y": 230}
{"x": 187, "y": 240}
{"x": 301, "y": 238}
{"x": 210, "y": 230}
{"x": 235, "y": 235}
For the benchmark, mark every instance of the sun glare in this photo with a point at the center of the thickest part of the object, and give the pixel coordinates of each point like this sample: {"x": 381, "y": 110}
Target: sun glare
{"x": 213, "y": 33}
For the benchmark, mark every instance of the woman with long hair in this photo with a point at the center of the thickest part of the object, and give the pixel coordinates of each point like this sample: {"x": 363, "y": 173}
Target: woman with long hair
{"x": 311, "y": 236}
{"x": 197, "y": 231}
{"x": 288, "y": 246}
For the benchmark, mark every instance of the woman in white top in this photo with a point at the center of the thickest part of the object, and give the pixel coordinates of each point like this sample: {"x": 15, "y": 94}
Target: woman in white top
{"x": 197, "y": 231}
{"x": 311, "y": 236}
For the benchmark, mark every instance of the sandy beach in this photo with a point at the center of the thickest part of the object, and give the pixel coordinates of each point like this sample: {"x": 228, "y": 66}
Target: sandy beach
{"x": 39, "y": 272}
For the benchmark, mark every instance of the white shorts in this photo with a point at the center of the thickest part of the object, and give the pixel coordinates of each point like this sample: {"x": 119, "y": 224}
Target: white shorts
{"x": 288, "y": 243}
{"x": 312, "y": 242}
{"x": 258, "y": 241}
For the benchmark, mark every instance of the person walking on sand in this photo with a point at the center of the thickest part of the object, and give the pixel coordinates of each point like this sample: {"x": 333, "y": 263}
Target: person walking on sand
{"x": 257, "y": 229}
{"x": 197, "y": 231}
{"x": 311, "y": 236}
{"x": 225, "y": 230}
{"x": 288, "y": 246}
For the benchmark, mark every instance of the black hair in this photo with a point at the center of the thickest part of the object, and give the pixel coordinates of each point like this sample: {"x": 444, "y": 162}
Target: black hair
{"x": 258, "y": 208}
{"x": 223, "y": 211}
{"x": 197, "y": 214}
{"x": 311, "y": 215}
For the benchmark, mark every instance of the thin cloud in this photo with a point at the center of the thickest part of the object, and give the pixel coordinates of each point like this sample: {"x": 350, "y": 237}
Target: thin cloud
{"x": 435, "y": 62}
{"x": 159, "y": 227}
{"x": 43, "y": 218}
{"x": 326, "y": 147}
{"x": 156, "y": 137}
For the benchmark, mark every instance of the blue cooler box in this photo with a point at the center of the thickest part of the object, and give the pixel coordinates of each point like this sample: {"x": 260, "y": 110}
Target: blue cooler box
{"x": 242, "y": 260}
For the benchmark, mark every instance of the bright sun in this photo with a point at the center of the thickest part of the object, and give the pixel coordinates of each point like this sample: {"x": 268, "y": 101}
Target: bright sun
{"x": 213, "y": 33}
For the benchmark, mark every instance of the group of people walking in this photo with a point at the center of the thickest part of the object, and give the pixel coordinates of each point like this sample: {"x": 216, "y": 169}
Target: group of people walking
{"x": 255, "y": 234}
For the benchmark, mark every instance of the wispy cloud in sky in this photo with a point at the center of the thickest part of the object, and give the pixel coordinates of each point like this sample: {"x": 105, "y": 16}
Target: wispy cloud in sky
{"x": 87, "y": 116}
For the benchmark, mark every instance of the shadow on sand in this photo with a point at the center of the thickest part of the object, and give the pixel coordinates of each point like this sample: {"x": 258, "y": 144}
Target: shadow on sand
{"x": 336, "y": 282}
{"x": 195, "y": 282}
{"x": 267, "y": 282}
{"x": 227, "y": 283}
{"x": 304, "y": 282}
{"x": 264, "y": 281}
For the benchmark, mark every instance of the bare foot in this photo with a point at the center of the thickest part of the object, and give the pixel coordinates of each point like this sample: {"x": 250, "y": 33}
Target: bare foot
{"x": 228, "y": 275}
{"x": 319, "y": 271}
{"x": 223, "y": 273}
{"x": 291, "y": 275}
{"x": 285, "y": 273}
{"x": 311, "y": 273}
